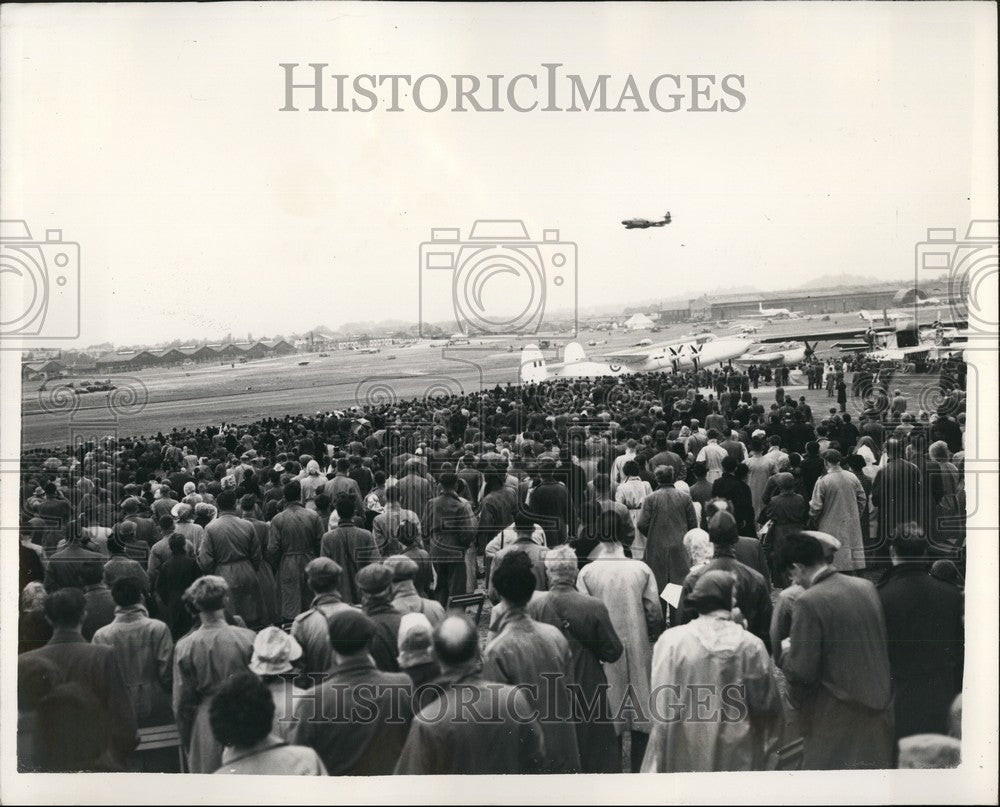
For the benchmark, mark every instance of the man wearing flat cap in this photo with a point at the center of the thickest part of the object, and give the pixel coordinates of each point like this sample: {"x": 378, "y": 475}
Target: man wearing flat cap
{"x": 358, "y": 717}
{"x": 311, "y": 627}
{"x": 405, "y": 598}
{"x": 375, "y": 585}
{"x": 838, "y": 499}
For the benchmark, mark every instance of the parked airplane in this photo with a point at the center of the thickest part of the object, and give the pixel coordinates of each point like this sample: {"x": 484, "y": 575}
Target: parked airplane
{"x": 903, "y": 341}
{"x": 890, "y": 315}
{"x": 775, "y": 313}
{"x": 665, "y": 357}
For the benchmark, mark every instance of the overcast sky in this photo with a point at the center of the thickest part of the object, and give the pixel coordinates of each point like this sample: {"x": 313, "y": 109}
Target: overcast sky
{"x": 151, "y": 135}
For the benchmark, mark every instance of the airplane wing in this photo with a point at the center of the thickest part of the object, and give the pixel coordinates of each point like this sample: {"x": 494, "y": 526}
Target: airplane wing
{"x": 855, "y": 333}
{"x": 627, "y": 358}
{"x": 819, "y": 336}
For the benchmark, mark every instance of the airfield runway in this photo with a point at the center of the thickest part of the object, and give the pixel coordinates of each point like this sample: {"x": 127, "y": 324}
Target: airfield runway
{"x": 159, "y": 399}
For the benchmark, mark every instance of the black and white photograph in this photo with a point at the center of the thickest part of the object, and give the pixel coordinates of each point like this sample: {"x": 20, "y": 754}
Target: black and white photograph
{"x": 499, "y": 403}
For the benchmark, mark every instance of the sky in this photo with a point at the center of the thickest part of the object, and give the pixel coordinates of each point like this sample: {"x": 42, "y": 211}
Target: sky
{"x": 151, "y": 136}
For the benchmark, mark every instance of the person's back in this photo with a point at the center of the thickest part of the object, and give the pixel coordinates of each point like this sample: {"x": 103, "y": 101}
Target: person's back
{"x": 629, "y": 591}
{"x": 352, "y": 548}
{"x": 848, "y": 614}
{"x": 753, "y": 590}
{"x": 144, "y": 650}
{"x": 442, "y": 740}
{"x": 523, "y": 651}
{"x": 92, "y": 667}
{"x": 730, "y": 728}
{"x": 65, "y": 567}
{"x": 550, "y": 504}
{"x": 924, "y": 625}
{"x": 355, "y": 747}
{"x": 414, "y": 490}
{"x": 837, "y": 663}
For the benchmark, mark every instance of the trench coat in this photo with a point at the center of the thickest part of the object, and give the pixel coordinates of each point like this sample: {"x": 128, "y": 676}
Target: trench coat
{"x": 145, "y": 653}
{"x": 203, "y": 660}
{"x": 293, "y": 540}
{"x": 838, "y": 668}
{"x": 586, "y": 624}
{"x": 628, "y": 589}
{"x": 230, "y": 550}
{"x": 838, "y": 500}
{"x": 522, "y": 651}
{"x": 667, "y": 515}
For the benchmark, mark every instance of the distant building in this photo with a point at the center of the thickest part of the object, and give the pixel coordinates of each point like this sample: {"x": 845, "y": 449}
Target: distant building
{"x": 48, "y": 368}
{"x": 818, "y": 301}
{"x": 126, "y": 360}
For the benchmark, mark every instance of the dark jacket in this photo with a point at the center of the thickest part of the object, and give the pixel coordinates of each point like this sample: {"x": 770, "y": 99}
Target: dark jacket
{"x": 753, "y": 593}
{"x": 838, "y": 670}
{"x": 357, "y": 719}
{"x": 96, "y": 669}
{"x": 352, "y": 548}
{"x": 64, "y": 567}
{"x": 923, "y": 619}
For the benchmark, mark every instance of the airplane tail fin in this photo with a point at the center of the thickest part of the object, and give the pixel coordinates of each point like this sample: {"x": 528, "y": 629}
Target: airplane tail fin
{"x": 532, "y": 365}
{"x": 574, "y": 353}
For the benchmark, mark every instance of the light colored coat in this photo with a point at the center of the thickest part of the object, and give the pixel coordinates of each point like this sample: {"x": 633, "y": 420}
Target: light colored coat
{"x": 145, "y": 654}
{"x": 203, "y": 660}
{"x": 667, "y": 514}
{"x": 711, "y": 659}
{"x": 837, "y": 502}
{"x": 628, "y": 590}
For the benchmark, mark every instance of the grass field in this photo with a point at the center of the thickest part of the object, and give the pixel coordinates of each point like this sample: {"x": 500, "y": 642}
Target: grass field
{"x": 154, "y": 400}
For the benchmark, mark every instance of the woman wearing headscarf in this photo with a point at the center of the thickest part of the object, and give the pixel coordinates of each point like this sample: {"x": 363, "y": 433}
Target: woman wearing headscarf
{"x": 416, "y": 657}
{"x": 191, "y": 496}
{"x": 787, "y": 512}
{"x": 204, "y": 513}
{"x": 33, "y": 629}
{"x": 715, "y": 657}
{"x": 183, "y": 515}
{"x": 698, "y": 547}
{"x": 631, "y": 493}
{"x": 312, "y": 482}
{"x": 867, "y": 449}
{"x": 203, "y": 660}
